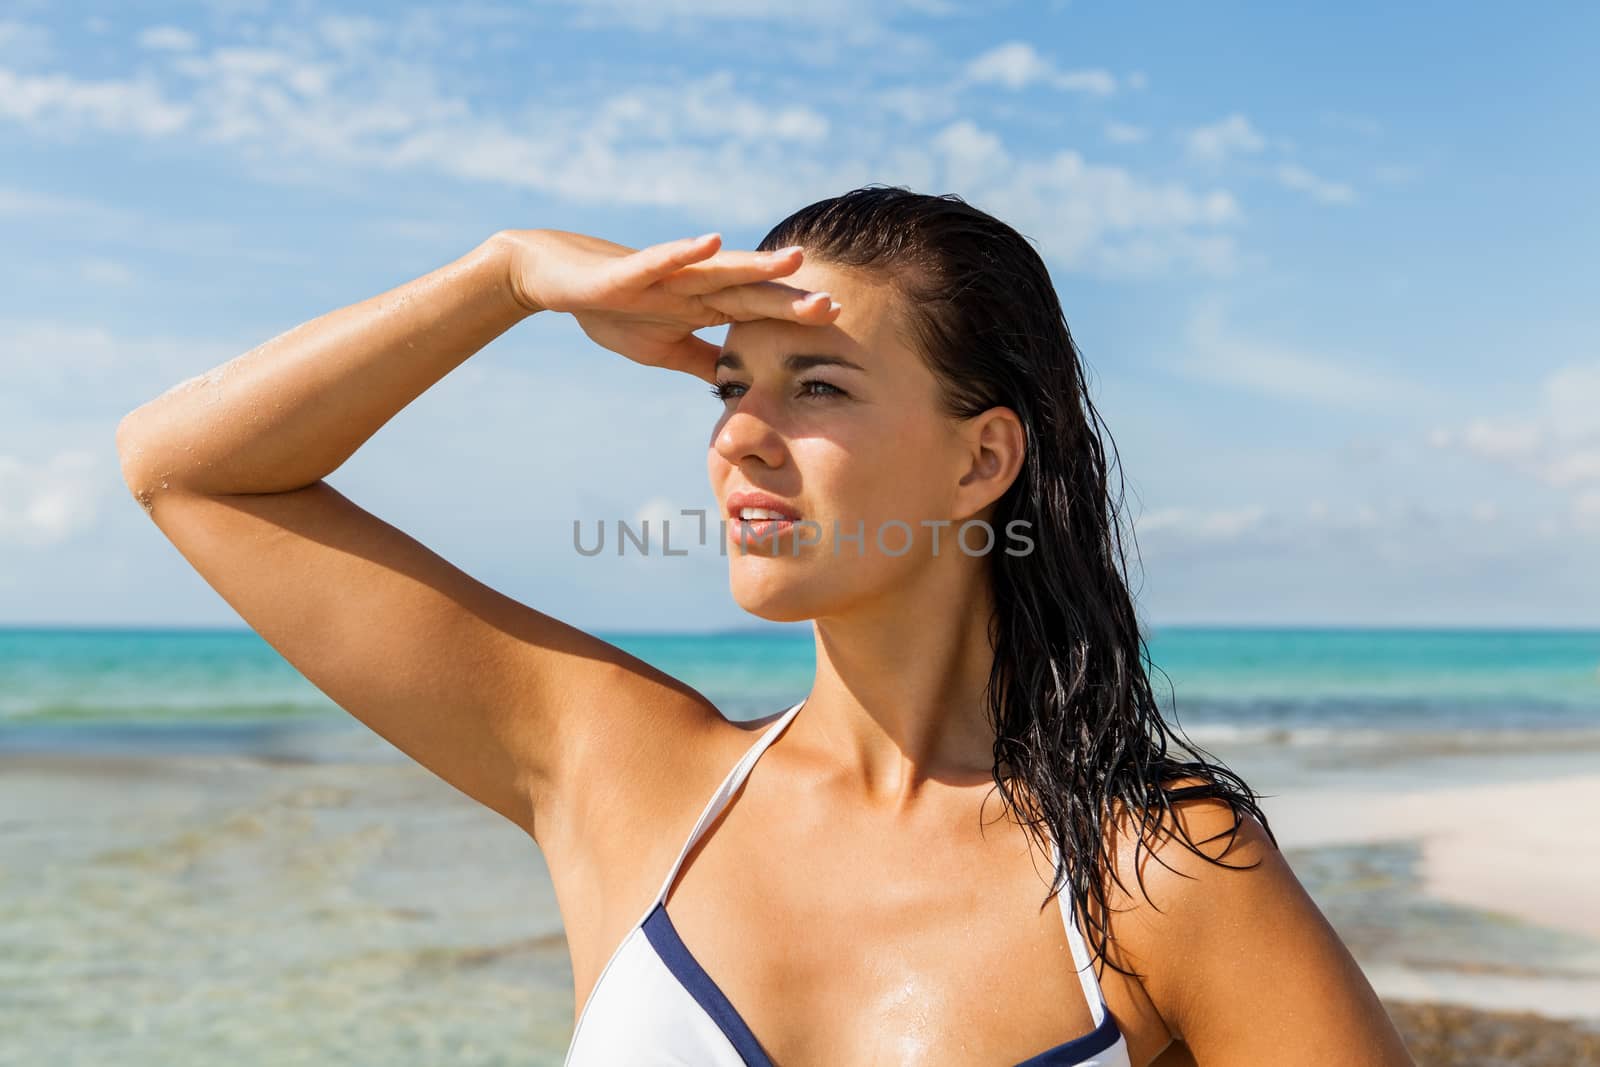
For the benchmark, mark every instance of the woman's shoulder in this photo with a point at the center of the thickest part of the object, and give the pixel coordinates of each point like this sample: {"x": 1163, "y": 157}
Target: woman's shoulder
{"x": 645, "y": 783}
{"x": 1176, "y": 873}
{"x": 1189, "y": 858}
{"x": 650, "y": 768}
{"x": 1204, "y": 905}
{"x": 1199, "y": 824}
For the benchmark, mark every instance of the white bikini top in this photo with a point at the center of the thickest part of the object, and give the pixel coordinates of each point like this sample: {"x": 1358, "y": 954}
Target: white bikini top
{"x": 655, "y": 1006}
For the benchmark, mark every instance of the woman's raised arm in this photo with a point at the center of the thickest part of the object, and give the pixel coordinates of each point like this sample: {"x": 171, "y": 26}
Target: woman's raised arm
{"x": 501, "y": 701}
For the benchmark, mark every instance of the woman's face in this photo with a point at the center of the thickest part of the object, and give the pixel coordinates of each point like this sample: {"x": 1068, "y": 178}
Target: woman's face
{"x": 854, "y": 446}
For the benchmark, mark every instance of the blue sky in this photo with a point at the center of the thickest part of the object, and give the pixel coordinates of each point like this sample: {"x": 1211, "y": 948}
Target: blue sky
{"x": 1332, "y": 271}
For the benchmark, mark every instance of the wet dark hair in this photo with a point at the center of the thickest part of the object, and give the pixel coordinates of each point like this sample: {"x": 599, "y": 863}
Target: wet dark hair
{"x": 1069, "y": 697}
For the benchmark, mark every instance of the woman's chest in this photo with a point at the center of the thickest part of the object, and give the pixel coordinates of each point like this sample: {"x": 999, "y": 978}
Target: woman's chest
{"x": 841, "y": 941}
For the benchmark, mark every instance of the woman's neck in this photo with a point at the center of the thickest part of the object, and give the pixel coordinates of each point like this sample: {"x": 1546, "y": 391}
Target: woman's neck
{"x": 898, "y": 699}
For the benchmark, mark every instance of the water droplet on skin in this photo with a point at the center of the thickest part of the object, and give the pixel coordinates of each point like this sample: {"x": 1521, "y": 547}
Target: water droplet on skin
{"x": 186, "y": 385}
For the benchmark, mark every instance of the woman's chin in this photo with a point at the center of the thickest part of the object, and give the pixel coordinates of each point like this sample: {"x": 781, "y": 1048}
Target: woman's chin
{"x": 776, "y": 598}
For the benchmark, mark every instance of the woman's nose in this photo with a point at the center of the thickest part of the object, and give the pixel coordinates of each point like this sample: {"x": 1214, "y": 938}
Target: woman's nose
{"x": 745, "y": 434}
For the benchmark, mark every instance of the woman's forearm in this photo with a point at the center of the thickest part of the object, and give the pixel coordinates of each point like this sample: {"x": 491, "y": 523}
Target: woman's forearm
{"x": 290, "y": 411}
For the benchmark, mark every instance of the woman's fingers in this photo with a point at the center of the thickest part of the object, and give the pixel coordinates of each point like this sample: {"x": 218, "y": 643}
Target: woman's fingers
{"x": 649, "y": 265}
{"x": 773, "y": 300}
{"x": 727, "y": 269}
{"x": 696, "y": 356}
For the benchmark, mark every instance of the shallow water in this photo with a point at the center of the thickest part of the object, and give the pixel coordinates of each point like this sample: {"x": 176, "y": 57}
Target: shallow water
{"x": 199, "y": 908}
{"x": 203, "y": 860}
{"x": 204, "y": 909}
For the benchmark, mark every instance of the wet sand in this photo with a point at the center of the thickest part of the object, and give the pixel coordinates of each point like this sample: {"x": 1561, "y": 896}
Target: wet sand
{"x": 1447, "y": 1035}
{"x": 329, "y": 902}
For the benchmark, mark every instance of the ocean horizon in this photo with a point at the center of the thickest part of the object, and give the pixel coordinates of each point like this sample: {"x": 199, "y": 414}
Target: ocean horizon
{"x": 88, "y": 687}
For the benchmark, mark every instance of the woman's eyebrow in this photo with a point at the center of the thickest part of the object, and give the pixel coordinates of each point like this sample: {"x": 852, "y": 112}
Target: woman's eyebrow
{"x": 794, "y": 363}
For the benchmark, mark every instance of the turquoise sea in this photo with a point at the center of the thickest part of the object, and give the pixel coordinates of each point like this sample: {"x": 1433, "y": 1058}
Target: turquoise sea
{"x": 204, "y": 860}
{"x": 207, "y": 688}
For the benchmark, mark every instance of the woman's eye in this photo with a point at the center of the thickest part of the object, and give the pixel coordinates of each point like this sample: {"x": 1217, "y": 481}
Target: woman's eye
{"x": 833, "y": 390}
{"x": 726, "y": 391}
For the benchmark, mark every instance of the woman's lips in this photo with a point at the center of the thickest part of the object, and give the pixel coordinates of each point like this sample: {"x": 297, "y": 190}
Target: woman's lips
{"x": 755, "y": 499}
{"x": 756, "y": 533}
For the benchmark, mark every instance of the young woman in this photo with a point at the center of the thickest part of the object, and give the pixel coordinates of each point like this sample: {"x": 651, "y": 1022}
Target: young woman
{"x": 907, "y": 414}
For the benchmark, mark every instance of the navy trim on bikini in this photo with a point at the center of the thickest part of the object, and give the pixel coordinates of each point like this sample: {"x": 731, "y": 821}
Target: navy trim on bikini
{"x": 681, "y": 962}
{"x": 1079, "y": 1049}
{"x": 686, "y": 969}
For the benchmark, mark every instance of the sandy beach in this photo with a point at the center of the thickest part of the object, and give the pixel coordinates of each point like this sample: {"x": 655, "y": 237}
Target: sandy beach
{"x": 325, "y": 901}
{"x": 1528, "y": 849}
{"x": 1521, "y": 858}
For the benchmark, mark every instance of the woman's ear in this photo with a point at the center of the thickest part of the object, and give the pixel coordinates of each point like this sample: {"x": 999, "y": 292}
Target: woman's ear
{"x": 996, "y": 445}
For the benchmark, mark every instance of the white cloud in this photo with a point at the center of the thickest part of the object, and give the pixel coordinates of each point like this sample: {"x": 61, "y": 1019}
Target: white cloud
{"x": 45, "y": 503}
{"x": 1014, "y": 66}
{"x": 24, "y": 42}
{"x": 1298, "y": 178}
{"x": 917, "y": 103}
{"x": 1586, "y": 511}
{"x": 1401, "y": 530}
{"x": 27, "y": 203}
{"x": 1226, "y": 524}
{"x": 669, "y": 528}
{"x": 970, "y": 153}
{"x": 166, "y": 39}
{"x": 52, "y": 99}
{"x": 1396, "y": 174}
{"x": 1218, "y": 353}
{"x": 1235, "y": 135}
{"x": 1230, "y": 136}
{"x": 1088, "y": 216}
{"x": 103, "y": 226}
{"x": 105, "y": 272}
{"x": 1093, "y": 82}
{"x": 817, "y": 33}
{"x": 709, "y": 107}
{"x": 1555, "y": 443}
{"x": 657, "y": 510}
{"x": 1362, "y": 124}
{"x": 751, "y": 10}
{"x": 1572, "y": 468}
{"x": 1017, "y": 65}
{"x": 1154, "y": 255}
{"x": 1123, "y": 133}
{"x": 704, "y": 145}
{"x": 74, "y": 369}
{"x": 337, "y": 99}
{"x": 1571, "y": 400}
{"x": 1503, "y": 440}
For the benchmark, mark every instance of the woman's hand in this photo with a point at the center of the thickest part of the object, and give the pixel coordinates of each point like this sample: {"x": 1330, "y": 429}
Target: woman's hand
{"x": 647, "y": 304}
